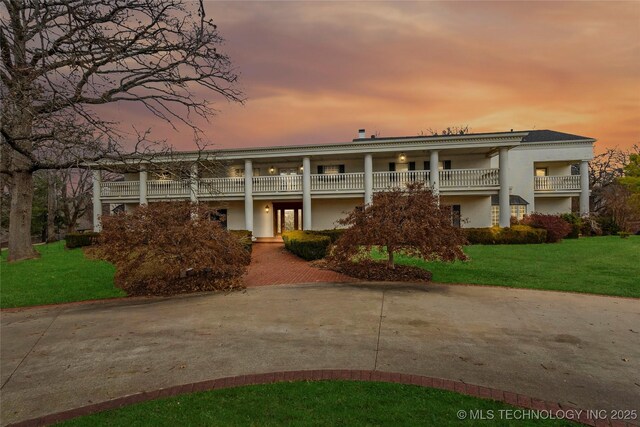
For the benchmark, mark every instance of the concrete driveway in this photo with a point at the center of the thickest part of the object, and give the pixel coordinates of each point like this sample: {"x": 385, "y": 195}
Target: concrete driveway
{"x": 575, "y": 349}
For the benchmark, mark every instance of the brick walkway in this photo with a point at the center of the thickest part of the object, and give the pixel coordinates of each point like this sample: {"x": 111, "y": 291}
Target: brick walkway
{"x": 272, "y": 264}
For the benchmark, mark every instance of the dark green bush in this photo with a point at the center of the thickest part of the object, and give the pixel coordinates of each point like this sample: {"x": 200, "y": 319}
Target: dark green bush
{"x": 306, "y": 245}
{"x": 516, "y": 235}
{"x": 334, "y": 233}
{"x": 575, "y": 221}
{"x": 608, "y": 225}
{"x": 77, "y": 240}
{"x": 245, "y": 238}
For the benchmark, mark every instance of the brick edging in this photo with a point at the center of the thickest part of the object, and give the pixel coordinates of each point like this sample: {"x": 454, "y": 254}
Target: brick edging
{"x": 510, "y": 398}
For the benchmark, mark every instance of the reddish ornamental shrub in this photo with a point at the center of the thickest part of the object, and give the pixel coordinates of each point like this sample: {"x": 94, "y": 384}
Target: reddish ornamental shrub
{"x": 557, "y": 228}
{"x": 404, "y": 220}
{"x": 171, "y": 248}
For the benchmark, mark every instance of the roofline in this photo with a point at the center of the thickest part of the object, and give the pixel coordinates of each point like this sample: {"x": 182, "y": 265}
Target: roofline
{"x": 488, "y": 140}
{"x": 369, "y": 145}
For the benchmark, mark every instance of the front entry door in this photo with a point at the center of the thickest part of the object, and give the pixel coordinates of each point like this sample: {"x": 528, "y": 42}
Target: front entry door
{"x": 287, "y": 216}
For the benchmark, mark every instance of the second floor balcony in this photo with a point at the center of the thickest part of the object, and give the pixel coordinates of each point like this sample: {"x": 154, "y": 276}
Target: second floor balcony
{"x": 450, "y": 180}
{"x": 565, "y": 183}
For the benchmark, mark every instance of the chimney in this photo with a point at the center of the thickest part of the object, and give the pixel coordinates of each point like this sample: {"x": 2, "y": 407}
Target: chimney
{"x": 362, "y": 134}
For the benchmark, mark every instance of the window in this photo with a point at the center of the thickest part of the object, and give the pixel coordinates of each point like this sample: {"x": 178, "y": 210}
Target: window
{"x": 455, "y": 215}
{"x": 402, "y": 167}
{"x": 495, "y": 215}
{"x": 542, "y": 171}
{"x": 518, "y": 211}
{"x": 331, "y": 169}
{"x": 454, "y": 211}
{"x": 443, "y": 165}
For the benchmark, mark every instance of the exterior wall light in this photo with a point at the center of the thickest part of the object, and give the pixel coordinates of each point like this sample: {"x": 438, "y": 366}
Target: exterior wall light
{"x": 266, "y": 209}
{"x": 301, "y": 169}
{"x": 403, "y": 158}
{"x": 272, "y": 170}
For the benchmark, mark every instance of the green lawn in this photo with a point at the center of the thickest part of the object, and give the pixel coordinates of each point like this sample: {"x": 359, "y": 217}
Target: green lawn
{"x": 597, "y": 265}
{"x": 309, "y": 403}
{"x": 59, "y": 275}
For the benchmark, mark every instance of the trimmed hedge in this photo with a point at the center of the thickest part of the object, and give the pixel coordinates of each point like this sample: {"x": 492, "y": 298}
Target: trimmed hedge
{"x": 245, "y": 237}
{"x": 78, "y": 240}
{"x": 306, "y": 245}
{"x": 334, "y": 234}
{"x": 516, "y": 235}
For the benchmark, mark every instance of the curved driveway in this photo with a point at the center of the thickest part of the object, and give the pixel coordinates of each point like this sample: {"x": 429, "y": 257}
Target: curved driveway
{"x": 574, "y": 349}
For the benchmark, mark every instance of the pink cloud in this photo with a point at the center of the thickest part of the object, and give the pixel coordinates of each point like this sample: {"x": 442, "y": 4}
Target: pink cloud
{"x": 315, "y": 72}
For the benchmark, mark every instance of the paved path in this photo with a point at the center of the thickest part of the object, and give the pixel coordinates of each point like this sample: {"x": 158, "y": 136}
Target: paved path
{"x": 574, "y": 349}
{"x": 272, "y": 264}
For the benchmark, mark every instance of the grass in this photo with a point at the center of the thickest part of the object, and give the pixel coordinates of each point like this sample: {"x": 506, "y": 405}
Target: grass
{"x": 597, "y": 265}
{"x": 309, "y": 403}
{"x": 59, "y": 275}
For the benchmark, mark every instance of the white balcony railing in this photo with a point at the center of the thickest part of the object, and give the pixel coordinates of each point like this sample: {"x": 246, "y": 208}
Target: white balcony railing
{"x": 385, "y": 180}
{"x": 122, "y": 189}
{"x": 277, "y": 184}
{"x": 338, "y": 182}
{"x": 168, "y": 188}
{"x": 557, "y": 183}
{"x": 344, "y": 182}
{"x": 212, "y": 186}
{"x": 469, "y": 178}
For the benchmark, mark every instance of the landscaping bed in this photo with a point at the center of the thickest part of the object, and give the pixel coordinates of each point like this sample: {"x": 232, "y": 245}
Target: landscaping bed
{"x": 379, "y": 271}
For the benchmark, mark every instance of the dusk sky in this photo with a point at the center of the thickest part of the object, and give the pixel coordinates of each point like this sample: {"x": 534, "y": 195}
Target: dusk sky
{"x": 315, "y": 72}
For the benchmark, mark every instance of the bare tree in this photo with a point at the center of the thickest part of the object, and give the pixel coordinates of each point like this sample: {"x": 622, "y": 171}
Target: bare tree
{"x": 75, "y": 196}
{"x": 61, "y": 59}
{"x": 450, "y": 130}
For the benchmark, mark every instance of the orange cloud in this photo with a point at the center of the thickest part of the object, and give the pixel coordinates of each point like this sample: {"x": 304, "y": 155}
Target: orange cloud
{"x": 315, "y": 72}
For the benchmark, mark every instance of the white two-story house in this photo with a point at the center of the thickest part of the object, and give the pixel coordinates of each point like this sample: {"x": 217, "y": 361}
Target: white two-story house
{"x": 485, "y": 178}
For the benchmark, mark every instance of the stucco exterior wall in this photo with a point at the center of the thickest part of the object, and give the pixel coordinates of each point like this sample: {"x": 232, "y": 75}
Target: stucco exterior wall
{"x": 475, "y": 211}
{"x": 553, "y": 205}
{"x": 523, "y": 160}
{"x": 325, "y": 212}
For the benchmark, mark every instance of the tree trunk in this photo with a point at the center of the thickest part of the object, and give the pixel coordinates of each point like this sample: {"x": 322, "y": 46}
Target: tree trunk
{"x": 51, "y": 207}
{"x": 390, "y": 263}
{"x": 20, "y": 217}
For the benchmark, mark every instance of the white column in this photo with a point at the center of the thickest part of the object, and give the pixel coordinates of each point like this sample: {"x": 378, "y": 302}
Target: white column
{"x": 505, "y": 207}
{"x": 193, "y": 183}
{"x": 434, "y": 172}
{"x": 142, "y": 182}
{"x": 97, "y": 203}
{"x": 584, "y": 187}
{"x": 368, "y": 179}
{"x": 306, "y": 193}
{"x": 248, "y": 195}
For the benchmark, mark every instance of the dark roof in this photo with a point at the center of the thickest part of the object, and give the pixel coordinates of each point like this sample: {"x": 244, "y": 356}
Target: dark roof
{"x": 547, "y": 135}
{"x": 544, "y": 135}
{"x": 513, "y": 200}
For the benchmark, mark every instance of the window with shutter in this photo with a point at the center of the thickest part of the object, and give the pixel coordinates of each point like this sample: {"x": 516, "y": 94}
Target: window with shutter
{"x": 392, "y": 167}
{"x": 331, "y": 169}
{"x": 412, "y": 166}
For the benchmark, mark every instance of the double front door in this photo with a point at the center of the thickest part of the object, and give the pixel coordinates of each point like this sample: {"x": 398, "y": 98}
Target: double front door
{"x": 287, "y": 216}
